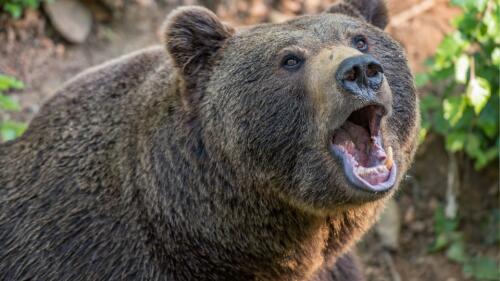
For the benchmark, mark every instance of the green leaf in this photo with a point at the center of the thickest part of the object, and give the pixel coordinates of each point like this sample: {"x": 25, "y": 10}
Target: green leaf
{"x": 488, "y": 120}
{"x": 448, "y": 51}
{"x": 495, "y": 57}
{"x": 482, "y": 268}
{"x": 33, "y": 4}
{"x": 456, "y": 251}
{"x": 439, "y": 74}
{"x": 430, "y": 102}
{"x": 492, "y": 153}
{"x": 9, "y": 130}
{"x": 486, "y": 157}
{"x": 15, "y": 10}
{"x": 422, "y": 134}
{"x": 473, "y": 145}
{"x": 440, "y": 124}
{"x": 460, "y": 3}
{"x": 491, "y": 23}
{"x": 461, "y": 68}
{"x": 480, "y": 5}
{"x": 478, "y": 92}
{"x": 468, "y": 4}
{"x": 8, "y": 82}
{"x": 453, "y": 109}
{"x": 421, "y": 79}
{"x": 466, "y": 23}
{"x": 7, "y": 103}
{"x": 7, "y": 134}
{"x": 442, "y": 241}
{"x": 455, "y": 141}
{"x": 442, "y": 224}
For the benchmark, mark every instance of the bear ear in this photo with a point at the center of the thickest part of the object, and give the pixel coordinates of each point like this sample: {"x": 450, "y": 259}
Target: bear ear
{"x": 192, "y": 35}
{"x": 373, "y": 11}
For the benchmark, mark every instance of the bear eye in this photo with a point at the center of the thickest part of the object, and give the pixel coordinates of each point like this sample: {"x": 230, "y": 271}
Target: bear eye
{"x": 360, "y": 43}
{"x": 291, "y": 62}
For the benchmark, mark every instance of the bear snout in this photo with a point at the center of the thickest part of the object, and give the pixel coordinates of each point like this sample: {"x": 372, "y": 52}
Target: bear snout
{"x": 360, "y": 74}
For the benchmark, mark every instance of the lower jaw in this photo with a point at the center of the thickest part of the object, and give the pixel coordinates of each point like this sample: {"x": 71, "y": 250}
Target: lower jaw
{"x": 359, "y": 182}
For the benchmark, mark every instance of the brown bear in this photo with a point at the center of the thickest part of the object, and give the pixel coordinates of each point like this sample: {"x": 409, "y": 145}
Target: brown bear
{"x": 258, "y": 154}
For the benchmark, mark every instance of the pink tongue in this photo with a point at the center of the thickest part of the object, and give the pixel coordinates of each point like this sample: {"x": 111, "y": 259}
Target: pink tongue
{"x": 354, "y": 139}
{"x": 367, "y": 157}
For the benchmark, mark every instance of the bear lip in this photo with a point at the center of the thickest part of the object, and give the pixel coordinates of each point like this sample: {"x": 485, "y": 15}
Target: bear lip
{"x": 358, "y": 145}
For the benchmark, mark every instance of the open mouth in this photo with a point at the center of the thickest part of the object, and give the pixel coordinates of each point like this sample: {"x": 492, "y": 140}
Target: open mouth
{"x": 358, "y": 144}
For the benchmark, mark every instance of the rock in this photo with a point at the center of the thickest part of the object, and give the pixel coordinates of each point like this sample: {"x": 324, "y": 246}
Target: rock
{"x": 70, "y": 18}
{"x": 389, "y": 225}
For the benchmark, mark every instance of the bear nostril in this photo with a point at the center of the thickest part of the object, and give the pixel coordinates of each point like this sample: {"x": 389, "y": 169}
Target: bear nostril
{"x": 351, "y": 75}
{"x": 372, "y": 70}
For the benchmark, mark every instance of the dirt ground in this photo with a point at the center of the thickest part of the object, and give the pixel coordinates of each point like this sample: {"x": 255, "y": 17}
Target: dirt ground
{"x": 31, "y": 50}
{"x": 418, "y": 199}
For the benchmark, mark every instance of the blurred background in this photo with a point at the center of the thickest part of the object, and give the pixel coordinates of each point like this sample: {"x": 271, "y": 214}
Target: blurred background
{"x": 444, "y": 222}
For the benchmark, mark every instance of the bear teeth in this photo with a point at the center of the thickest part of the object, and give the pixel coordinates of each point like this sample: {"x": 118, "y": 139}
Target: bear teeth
{"x": 389, "y": 161}
{"x": 372, "y": 171}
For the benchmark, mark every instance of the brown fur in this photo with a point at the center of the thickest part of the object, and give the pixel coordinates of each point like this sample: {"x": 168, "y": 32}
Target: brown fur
{"x": 204, "y": 162}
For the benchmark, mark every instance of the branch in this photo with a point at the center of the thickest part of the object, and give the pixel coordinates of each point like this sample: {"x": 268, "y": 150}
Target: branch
{"x": 411, "y": 13}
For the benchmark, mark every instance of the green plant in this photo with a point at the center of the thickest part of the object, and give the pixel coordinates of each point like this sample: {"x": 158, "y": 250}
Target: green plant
{"x": 464, "y": 106}
{"x": 9, "y": 129}
{"x": 15, "y": 8}
{"x": 451, "y": 240}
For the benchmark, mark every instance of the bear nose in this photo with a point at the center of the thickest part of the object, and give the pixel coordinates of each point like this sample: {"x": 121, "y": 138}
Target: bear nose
{"x": 360, "y": 73}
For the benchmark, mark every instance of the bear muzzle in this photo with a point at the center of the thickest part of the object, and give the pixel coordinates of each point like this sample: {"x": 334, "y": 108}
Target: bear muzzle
{"x": 355, "y": 105}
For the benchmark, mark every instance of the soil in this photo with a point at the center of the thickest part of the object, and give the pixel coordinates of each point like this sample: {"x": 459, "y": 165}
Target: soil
{"x": 35, "y": 54}
{"x": 32, "y": 51}
{"x": 418, "y": 198}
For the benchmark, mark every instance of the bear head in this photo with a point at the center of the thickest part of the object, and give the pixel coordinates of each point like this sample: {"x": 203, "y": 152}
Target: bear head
{"x": 320, "y": 111}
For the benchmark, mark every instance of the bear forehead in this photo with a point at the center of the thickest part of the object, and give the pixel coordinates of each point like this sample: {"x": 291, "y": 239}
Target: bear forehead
{"x": 307, "y": 31}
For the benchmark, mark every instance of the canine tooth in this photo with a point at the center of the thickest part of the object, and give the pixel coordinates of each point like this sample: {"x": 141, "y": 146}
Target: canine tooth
{"x": 389, "y": 160}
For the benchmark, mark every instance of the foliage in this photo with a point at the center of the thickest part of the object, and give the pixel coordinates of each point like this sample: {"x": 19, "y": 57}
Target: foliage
{"x": 464, "y": 107}
{"x": 452, "y": 241}
{"x": 9, "y": 129}
{"x": 15, "y": 8}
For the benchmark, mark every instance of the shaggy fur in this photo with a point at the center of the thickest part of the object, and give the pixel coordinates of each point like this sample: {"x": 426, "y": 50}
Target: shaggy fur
{"x": 206, "y": 161}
